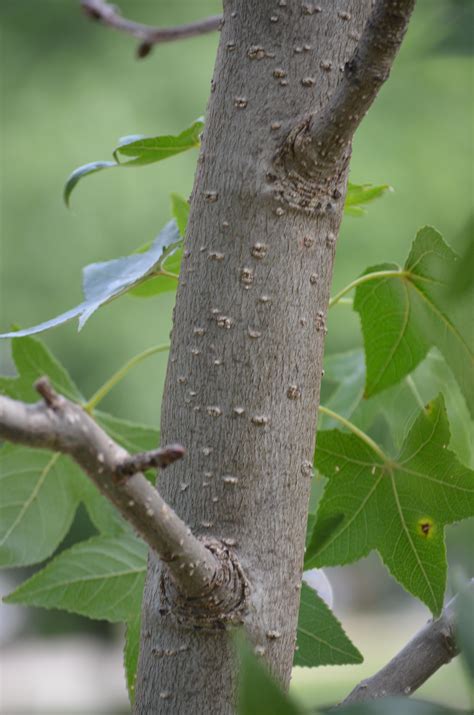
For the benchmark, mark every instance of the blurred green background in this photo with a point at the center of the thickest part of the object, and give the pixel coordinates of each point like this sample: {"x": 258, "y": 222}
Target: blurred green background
{"x": 70, "y": 88}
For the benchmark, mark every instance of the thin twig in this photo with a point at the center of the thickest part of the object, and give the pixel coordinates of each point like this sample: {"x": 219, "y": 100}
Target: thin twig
{"x": 63, "y": 426}
{"x": 142, "y": 461}
{"x": 50, "y": 396}
{"x": 104, "y": 390}
{"x": 148, "y": 36}
{"x": 432, "y": 647}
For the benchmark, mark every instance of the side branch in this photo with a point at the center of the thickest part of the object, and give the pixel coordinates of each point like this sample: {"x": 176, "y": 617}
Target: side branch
{"x": 432, "y": 647}
{"x": 63, "y": 426}
{"x": 148, "y": 36}
{"x": 326, "y": 139}
{"x": 147, "y": 460}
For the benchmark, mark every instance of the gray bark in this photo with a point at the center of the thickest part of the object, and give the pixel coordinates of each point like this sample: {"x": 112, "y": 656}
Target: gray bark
{"x": 243, "y": 380}
{"x": 432, "y": 647}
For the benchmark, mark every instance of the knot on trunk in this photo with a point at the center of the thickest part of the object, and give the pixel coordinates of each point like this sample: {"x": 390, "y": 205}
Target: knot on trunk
{"x": 223, "y": 601}
{"x": 306, "y": 177}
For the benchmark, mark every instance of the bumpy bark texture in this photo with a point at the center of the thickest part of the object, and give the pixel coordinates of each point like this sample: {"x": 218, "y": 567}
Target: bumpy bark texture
{"x": 244, "y": 375}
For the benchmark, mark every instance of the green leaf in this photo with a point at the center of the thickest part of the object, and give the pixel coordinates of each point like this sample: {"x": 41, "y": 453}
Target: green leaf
{"x": 131, "y": 653}
{"x": 445, "y": 325}
{"x": 40, "y": 490}
{"x": 101, "y": 578}
{"x": 33, "y": 360}
{"x": 172, "y": 261}
{"x": 81, "y": 171}
{"x": 35, "y": 484}
{"x": 347, "y": 370}
{"x": 399, "y": 406}
{"x": 309, "y": 527}
{"x": 258, "y": 692}
{"x": 180, "y": 212}
{"x": 317, "y": 580}
{"x": 404, "y": 315}
{"x": 154, "y": 286}
{"x": 134, "y": 437}
{"x": 38, "y": 497}
{"x": 395, "y": 706}
{"x": 102, "y": 282}
{"x": 144, "y": 150}
{"x": 393, "y": 343}
{"x": 105, "y": 517}
{"x": 128, "y": 139}
{"x": 148, "y": 150}
{"x": 358, "y": 194}
{"x": 162, "y": 283}
{"x": 398, "y": 507}
{"x": 320, "y": 638}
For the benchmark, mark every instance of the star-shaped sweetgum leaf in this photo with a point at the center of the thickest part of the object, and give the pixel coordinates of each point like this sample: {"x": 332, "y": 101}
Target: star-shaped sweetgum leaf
{"x": 407, "y": 311}
{"x": 398, "y": 507}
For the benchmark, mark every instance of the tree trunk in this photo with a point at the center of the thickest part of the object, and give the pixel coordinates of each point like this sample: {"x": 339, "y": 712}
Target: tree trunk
{"x": 244, "y": 374}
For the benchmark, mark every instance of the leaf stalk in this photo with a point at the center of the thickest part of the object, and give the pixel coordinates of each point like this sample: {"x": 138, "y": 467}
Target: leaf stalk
{"x": 104, "y": 390}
